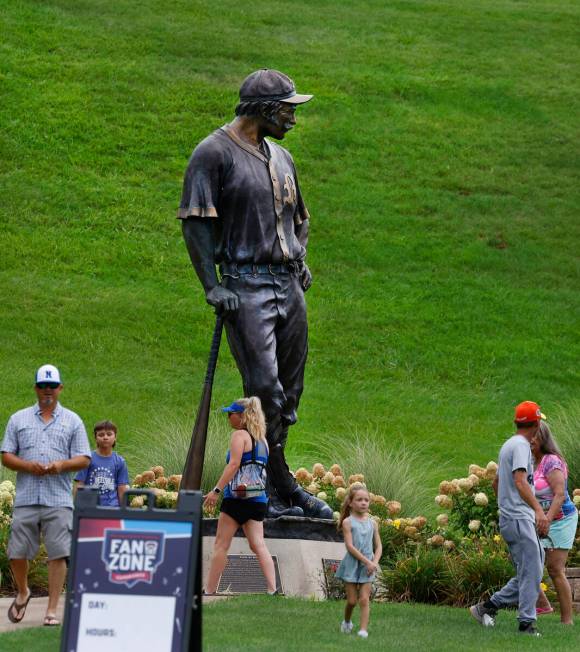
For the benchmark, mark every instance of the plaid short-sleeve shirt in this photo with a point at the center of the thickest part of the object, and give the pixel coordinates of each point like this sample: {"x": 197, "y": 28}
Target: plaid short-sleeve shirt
{"x": 63, "y": 437}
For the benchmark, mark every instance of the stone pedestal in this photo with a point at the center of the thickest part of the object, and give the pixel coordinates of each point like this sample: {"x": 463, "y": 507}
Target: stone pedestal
{"x": 573, "y": 576}
{"x": 299, "y": 545}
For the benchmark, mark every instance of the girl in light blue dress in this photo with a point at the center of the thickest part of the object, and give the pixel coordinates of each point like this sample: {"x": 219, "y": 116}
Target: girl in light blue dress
{"x": 361, "y": 562}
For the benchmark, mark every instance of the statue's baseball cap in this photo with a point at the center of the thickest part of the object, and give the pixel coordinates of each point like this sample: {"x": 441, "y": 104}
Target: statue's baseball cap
{"x": 527, "y": 412}
{"x": 48, "y": 373}
{"x": 270, "y": 85}
{"x": 234, "y": 407}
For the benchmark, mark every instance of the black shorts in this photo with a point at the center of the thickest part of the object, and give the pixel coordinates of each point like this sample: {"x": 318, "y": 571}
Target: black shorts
{"x": 244, "y": 510}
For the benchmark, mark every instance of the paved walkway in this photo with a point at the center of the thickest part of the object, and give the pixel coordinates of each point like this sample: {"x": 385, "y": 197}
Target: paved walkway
{"x": 34, "y": 617}
{"x": 36, "y": 611}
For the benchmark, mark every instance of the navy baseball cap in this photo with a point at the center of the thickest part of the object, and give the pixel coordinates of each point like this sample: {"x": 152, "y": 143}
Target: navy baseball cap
{"x": 270, "y": 85}
{"x": 234, "y": 407}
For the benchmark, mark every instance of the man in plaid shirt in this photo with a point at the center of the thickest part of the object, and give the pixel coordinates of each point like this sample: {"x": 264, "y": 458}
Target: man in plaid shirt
{"x": 43, "y": 444}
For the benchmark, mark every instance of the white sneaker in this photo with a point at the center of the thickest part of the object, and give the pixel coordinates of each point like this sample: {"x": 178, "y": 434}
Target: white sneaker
{"x": 346, "y": 628}
{"x": 363, "y": 633}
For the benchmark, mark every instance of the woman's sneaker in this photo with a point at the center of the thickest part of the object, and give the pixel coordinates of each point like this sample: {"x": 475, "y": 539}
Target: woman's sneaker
{"x": 346, "y": 628}
{"x": 363, "y": 633}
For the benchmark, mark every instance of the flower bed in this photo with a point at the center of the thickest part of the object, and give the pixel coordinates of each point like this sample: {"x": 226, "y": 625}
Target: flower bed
{"x": 454, "y": 558}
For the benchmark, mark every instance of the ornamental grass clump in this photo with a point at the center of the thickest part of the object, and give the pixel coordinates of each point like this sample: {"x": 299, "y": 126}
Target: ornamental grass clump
{"x": 565, "y": 422}
{"x": 396, "y": 472}
{"x": 172, "y": 437}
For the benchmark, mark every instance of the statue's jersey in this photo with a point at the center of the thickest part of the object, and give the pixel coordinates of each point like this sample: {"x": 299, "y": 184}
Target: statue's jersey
{"x": 252, "y": 193}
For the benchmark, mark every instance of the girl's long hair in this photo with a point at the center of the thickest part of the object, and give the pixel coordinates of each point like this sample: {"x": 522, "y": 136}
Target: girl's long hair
{"x": 253, "y": 418}
{"x": 548, "y": 445}
{"x": 346, "y": 503}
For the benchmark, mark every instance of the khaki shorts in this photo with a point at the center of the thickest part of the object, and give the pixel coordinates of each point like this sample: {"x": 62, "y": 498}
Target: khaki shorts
{"x": 29, "y": 523}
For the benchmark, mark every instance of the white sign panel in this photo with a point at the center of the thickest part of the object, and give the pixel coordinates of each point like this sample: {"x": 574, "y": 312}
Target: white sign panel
{"x": 125, "y": 623}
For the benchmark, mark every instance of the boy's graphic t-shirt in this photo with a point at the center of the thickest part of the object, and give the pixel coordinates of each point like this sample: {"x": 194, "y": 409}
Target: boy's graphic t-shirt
{"x": 106, "y": 473}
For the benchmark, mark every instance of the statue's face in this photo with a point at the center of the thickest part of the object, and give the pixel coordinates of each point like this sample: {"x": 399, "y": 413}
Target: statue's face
{"x": 279, "y": 124}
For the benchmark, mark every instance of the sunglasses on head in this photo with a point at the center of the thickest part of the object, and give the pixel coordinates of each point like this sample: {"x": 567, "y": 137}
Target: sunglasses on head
{"x": 47, "y": 385}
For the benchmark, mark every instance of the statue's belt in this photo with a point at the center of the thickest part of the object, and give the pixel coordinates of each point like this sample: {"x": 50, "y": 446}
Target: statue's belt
{"x": 234, "y": 270}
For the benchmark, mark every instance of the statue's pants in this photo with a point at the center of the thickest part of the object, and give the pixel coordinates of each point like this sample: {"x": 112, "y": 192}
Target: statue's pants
{"x": 268, "y": 337}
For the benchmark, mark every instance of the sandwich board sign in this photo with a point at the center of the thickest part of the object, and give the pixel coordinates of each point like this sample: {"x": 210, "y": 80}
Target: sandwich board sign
{"x": 134, "y": 579}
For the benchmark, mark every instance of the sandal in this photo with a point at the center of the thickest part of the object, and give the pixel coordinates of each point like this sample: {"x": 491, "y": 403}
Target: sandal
{"x": 20, "y": 609}
{"x": 51, "y": 621}
{"x": 540, "y": 611}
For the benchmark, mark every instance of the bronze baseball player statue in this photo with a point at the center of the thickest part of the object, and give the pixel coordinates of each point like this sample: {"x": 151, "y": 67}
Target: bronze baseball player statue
{"x": 242, "y": 211}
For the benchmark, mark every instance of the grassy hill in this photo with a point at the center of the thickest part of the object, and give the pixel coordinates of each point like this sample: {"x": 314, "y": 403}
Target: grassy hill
{"x": 439, "y": 161}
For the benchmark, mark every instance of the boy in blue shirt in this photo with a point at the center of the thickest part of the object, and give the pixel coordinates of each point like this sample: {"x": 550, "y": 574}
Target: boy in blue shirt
{"x": 107, "y": 470}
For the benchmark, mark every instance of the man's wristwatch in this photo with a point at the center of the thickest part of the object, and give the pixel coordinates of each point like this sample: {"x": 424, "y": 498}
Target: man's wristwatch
{"x": 217, "y": 490}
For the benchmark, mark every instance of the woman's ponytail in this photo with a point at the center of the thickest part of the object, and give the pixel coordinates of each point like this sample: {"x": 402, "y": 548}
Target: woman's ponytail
{"x": 254, "y": 419}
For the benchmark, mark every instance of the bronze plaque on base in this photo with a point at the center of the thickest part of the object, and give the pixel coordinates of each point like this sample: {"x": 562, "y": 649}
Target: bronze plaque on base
{"x": 243, "y": 574}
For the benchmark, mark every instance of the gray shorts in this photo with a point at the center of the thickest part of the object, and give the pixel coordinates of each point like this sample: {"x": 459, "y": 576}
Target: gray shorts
{"x": 29, "y": 523}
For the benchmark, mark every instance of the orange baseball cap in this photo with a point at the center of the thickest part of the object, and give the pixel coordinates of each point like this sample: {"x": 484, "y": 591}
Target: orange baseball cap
{"x": 528, "y": 411}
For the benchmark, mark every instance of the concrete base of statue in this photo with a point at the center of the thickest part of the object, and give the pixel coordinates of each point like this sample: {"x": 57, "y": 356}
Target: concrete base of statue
{"x": 302, "y": 548}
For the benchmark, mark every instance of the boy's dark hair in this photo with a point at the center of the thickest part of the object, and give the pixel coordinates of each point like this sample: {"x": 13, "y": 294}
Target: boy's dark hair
{"x": 104, "y": 425}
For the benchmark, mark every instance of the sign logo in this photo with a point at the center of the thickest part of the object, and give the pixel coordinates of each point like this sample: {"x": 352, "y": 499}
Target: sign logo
{"x": 131, "y": 557}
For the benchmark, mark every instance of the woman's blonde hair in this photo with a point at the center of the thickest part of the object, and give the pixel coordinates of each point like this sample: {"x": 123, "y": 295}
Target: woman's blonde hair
{"x": 346, "y": 503}
{"x": 253, "y": 418}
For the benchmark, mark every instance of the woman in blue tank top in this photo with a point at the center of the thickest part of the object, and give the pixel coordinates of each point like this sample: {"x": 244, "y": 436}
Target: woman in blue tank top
{"x": 243, "y": 485}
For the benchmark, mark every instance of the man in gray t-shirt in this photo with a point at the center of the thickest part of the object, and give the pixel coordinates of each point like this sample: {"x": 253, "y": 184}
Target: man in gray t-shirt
{"x": 515, "y": 456}
{"x": 521, "y": 520}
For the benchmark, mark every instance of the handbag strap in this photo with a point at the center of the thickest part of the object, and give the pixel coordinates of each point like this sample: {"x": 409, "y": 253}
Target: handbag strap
{"x": 253, "y": 448}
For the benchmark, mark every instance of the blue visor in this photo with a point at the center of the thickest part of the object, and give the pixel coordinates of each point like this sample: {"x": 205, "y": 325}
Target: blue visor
{"x": 234, "y": 407}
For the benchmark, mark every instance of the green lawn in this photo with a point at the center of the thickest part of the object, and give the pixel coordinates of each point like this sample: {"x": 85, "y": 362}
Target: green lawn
{"x": 439, "y": 163}
{"x": 290, "y": 625}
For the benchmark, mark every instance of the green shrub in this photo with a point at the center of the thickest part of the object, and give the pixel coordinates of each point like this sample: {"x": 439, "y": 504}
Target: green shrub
{"x": 458, "y": 577}
{"x": 424, "y": 577}
{"x": 477, "y": 570}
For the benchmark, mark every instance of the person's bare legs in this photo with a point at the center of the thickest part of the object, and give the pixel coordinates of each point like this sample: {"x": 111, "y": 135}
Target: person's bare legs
{"x": 543, "y": 602}
{"x": 351, "y": 591}
{"x": 364, "y": 599}
{"x": 19, "y": 569}
{"x": 254, "y": 531}
{"x": 56, "y": 578}
{"x": 556, "y": 565}
{"x": 226, "y": 529}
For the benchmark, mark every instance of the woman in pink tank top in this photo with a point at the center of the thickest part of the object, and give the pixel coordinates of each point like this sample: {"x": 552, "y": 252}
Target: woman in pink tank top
{"x": 550, "y": 483}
